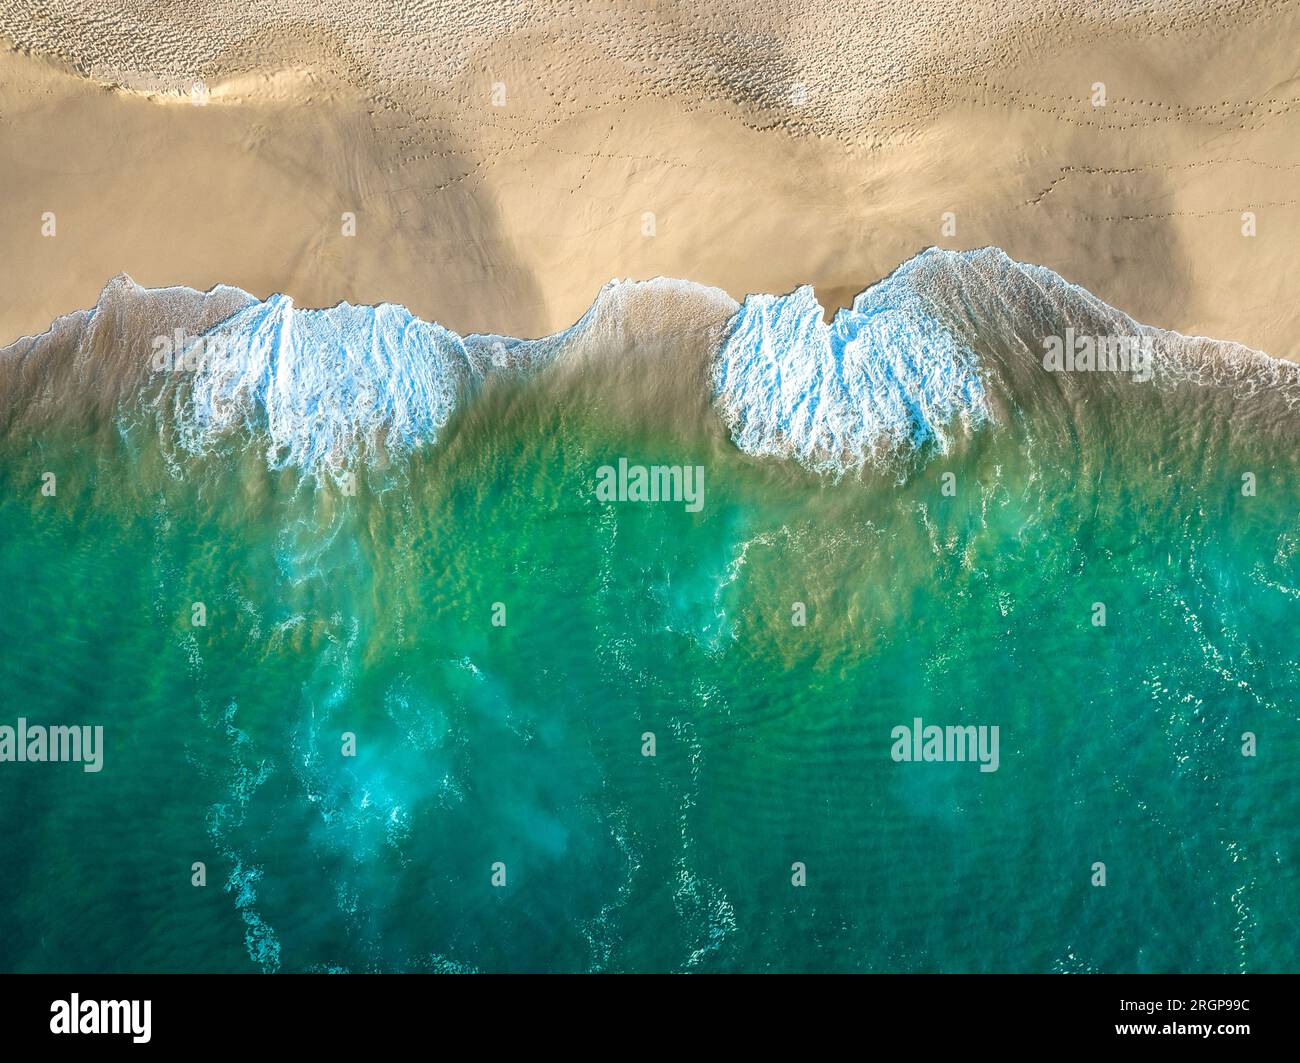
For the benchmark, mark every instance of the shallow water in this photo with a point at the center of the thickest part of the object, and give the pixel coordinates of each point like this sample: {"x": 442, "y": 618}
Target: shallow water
{"x": 953, "y": 579}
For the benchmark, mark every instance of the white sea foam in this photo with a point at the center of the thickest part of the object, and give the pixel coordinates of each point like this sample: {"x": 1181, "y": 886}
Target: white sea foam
{"x": 322, "y": 390}
{"x": 884, "y": 377}
{"x": 323, "y": 382}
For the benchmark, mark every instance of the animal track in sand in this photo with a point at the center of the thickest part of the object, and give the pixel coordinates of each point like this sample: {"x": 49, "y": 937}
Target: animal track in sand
{"x": 846, "y": 62}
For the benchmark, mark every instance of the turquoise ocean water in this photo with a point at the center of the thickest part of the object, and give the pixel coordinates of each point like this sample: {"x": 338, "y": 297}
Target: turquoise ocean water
{"x": 395, "y": 534}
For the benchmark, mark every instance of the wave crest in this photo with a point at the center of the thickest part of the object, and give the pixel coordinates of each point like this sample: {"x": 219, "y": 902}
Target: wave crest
{"x": 321, "y": 383}
{"x": 883, "y": 378}
{"x": 949, "y": 339}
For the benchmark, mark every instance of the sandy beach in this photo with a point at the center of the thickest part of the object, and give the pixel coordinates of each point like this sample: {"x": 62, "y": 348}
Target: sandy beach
{"x": 492, "y": 170}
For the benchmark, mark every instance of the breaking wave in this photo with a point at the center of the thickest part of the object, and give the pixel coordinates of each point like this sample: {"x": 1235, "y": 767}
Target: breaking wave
{"x": 949, "y": 342}
{"x": 886, "y": 376}
{"x": 323, "y": 382}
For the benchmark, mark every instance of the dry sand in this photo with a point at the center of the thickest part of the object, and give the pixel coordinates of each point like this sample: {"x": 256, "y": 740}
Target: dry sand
{"x": 752, "y": 147}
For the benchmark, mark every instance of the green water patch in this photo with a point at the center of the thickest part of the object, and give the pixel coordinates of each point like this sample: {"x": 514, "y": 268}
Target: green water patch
{"x": 408, "y": 728}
